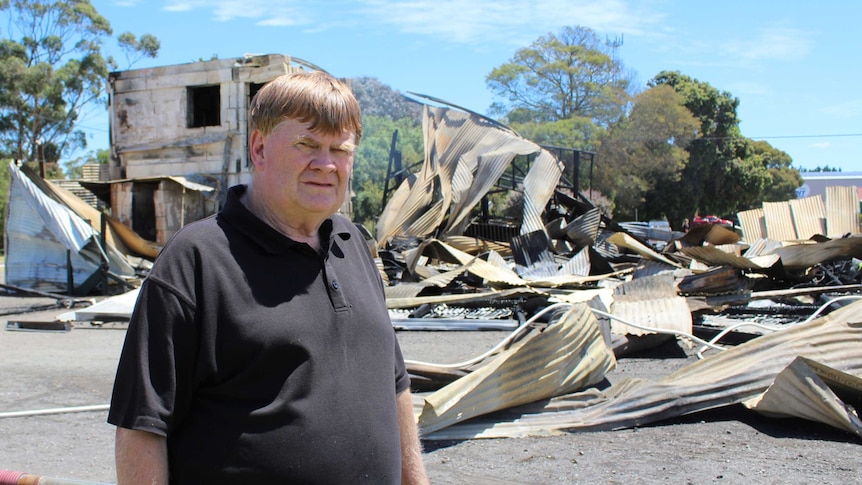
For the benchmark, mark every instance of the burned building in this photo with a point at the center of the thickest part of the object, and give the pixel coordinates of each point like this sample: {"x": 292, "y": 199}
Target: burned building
{"x": 179, "y": 138}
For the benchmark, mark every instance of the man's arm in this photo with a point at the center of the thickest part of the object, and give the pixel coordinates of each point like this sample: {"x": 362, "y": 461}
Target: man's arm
{"x": 142, "y": 457}
{"x": 412, "y": 468}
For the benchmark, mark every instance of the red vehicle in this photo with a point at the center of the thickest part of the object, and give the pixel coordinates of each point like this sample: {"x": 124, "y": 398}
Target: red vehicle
{"x": 711, "y": 220}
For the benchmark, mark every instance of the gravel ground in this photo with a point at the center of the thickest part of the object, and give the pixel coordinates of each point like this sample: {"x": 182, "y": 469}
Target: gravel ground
{"x": 56, "y": 369}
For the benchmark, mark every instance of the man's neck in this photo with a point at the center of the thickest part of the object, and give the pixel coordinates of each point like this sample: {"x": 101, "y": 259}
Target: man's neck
{"x": 304, "y": 232}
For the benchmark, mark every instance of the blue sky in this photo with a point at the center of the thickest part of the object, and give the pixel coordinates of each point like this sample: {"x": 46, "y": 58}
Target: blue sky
{"x": 793, "y": 65}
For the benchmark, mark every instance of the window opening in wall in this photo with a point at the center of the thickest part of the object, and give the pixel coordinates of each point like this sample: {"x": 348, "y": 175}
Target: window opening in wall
{"x": 204, "y": 106}
{"x": 253, "y": 88}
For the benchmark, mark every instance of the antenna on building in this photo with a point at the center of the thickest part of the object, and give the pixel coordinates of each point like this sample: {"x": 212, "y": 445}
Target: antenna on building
{"x": 613, "y": 45}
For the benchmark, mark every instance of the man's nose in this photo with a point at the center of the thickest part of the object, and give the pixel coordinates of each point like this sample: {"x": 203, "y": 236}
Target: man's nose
{"x": 323, "y": 159}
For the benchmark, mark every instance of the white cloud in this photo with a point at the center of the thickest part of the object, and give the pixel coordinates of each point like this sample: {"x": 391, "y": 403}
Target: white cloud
{"x": 771, "y": 43}
{"x": 513, "y": 22}
{"x": 226, "y": 10}
{"x": 508, "y": 21}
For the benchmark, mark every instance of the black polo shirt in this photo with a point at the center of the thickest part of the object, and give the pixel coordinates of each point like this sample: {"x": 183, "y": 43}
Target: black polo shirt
{"x": 261, "y": 360}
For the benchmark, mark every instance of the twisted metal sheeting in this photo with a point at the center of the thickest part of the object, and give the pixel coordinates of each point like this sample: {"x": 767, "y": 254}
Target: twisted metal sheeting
{"x": 568, "y": 355}
{"x": 730, "y": 377}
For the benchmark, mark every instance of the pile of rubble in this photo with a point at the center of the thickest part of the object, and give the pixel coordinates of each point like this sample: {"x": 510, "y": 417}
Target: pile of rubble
{"x": 779, "y": 318}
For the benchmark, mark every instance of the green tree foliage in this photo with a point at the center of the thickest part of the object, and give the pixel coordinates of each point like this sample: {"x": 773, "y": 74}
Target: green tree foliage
{"x": 784, "y": 178}
{"x": 577, "y": 132}
{"x": 644, "y": 149}
{"x": 52, "y": 69}
{"x": 385, "y": 111}
{"x": 559, "y": 77}
{"x": 825, "y": 168}
{"x": 372, "y": 161}
{"x": 721, "y": 176}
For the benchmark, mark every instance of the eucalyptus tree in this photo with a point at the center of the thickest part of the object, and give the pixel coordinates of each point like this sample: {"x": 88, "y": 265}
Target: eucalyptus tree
{"x": 53, "y": 70}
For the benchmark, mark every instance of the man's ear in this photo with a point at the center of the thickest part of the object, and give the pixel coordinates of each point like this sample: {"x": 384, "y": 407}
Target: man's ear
{"x": 255, "y": 147}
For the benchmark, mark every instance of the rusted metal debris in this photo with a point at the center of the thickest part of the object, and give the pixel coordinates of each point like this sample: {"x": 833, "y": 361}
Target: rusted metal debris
{"x": 631, "y": 285}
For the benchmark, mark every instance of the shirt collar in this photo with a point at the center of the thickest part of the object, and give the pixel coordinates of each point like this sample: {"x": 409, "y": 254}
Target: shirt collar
{"x": 237, "y": 215}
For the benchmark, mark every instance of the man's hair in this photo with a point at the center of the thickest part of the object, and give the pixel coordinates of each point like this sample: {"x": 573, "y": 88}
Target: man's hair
{"x": 313, "y": 97}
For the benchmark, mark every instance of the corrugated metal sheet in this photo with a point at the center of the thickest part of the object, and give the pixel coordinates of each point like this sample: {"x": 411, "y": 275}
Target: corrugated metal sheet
{"x": 716, "y": 257}
{"x": 726, "y": 378}
{"x": 760, "y": 247}
{"x": 803, "y": 256}
{"x": 779, "y": 221}
{"x": 809, "y": 390}
{"x": 809, "y": 216}
{"x": 495, "y": 275}
{"x": 584, "y": 229}
{"x": 623, "y": 240}
{"x": 568, "y": 355}
{"x": 539, "y": 185}
{"x": 650, "y": 302}
{"x": 465, "y": 155}
{"x": 753, "y": 223}
{"x": 842, "y": 211}
{"x": 533, "y": 256}
{"x": 39, "y": 232}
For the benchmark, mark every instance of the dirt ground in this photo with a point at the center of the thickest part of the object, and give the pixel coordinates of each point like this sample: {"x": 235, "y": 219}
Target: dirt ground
{"x": 58, "y": 369}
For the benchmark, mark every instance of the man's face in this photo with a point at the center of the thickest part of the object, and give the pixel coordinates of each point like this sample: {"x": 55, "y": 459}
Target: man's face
{"x": 302, "y": 174}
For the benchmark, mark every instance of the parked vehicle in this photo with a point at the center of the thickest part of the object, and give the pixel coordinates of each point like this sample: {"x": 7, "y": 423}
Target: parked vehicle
{"x": 711, "y": 219}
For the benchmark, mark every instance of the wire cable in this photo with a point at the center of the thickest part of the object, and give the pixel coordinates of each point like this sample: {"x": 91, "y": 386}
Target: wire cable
{"x": 512, "y": 337}
{"x": 658, "y": 330}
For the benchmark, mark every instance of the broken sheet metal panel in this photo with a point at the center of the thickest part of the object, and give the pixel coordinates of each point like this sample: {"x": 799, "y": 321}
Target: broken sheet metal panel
{"x": 797, "y": 257}
{"x": 539, "y": 186}
{"x": 842, "y": 211}
{"x": 465, "y": 155}
{"x": 513, "y": 294}
{"x": 493, "y": 274}
{"x": 718, "y": 280}
{"x": 809, "y": 390}
{"x": 118, "y": 307}
{"x": 761, "y": 247}
{"x": 568, "y": 355}
{"x": 412, "y": 209}
{"x": 715, "y": 256}
{"x": 409, "y": 290}
{"x": 479, "y": 172}
{"x": 729, "y": 377}
{"x": 584, "y": 229}
{"x": 533, "y": 256}
{"x": 473, "y": 245}
{"x": 753, "y": 223}
{"x": 779, "y": 221}
{"x": 809, "y": 216}
{"x": 623, "y": 240}
{"x": 651, "y": 302}
{"x": 712, "y": 234}
{"x": 648, "y": 268}
{"x": 577, "y": 265}
{"x": 40, "y": 231}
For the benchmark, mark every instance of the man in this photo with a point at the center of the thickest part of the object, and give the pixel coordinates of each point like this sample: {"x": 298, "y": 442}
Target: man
{"x": 260, "y": 349}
